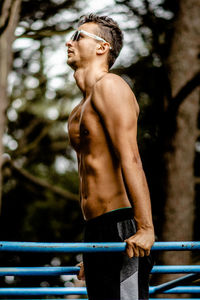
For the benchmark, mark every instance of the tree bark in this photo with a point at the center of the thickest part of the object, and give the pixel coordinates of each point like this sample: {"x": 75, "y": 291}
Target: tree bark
{"x": 181, "y": 132}
{"x": 8, "y": 22}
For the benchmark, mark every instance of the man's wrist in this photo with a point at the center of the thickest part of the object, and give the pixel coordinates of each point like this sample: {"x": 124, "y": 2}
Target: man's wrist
{"x": 145, "y": 228}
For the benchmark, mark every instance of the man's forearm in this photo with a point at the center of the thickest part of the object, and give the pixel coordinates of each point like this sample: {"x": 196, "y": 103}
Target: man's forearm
{"x": 138, "y": 193}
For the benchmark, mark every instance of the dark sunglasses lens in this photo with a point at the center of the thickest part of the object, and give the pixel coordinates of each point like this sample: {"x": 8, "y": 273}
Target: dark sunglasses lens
{"x": 75, "y": 36}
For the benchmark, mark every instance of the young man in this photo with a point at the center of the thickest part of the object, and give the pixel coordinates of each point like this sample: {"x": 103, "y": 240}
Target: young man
{"x": 114, "y": 194}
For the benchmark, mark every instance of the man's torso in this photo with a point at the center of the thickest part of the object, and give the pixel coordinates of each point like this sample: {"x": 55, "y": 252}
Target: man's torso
{"x": 101, "y": 184}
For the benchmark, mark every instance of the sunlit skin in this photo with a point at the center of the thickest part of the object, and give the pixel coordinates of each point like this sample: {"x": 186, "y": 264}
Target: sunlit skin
{"x": 103, "y": 132}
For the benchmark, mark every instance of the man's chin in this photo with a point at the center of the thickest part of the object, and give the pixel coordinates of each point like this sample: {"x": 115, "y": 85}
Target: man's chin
{"x": 71, "y": 63}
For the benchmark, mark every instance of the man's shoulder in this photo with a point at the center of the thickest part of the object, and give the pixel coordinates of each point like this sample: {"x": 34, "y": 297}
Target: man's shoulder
{"x": 111, "y": 80}
{"x": 110, "y": 87}
{"x": 112, "y": 92}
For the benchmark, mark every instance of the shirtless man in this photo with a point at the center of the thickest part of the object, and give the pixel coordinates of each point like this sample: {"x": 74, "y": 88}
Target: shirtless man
{"x": 114, "y": 194}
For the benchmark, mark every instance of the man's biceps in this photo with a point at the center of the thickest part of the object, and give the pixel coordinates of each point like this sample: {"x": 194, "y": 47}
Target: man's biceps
{"x": 125, "y": 149}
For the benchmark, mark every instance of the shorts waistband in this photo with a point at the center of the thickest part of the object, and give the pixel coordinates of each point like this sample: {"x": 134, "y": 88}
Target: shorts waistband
{"x": 112, "y": 216}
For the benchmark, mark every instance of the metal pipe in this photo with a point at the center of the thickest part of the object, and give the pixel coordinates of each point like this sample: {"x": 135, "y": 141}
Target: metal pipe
{"x": 174, "y": 283}
{"x": 179, "y": 290}
{"x": 176, "y": 269}
{"x": 91, "y": 247}
{"x": 38, "y": 271}
{"x": 61, "y": 247}
{"x": 50, "y": 271}
{"x": 43, "y": 291}
{"x": 83, "y": 291}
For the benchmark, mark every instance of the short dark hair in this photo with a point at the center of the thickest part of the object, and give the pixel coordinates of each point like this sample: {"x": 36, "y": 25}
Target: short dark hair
{"x": 109, "y": 31}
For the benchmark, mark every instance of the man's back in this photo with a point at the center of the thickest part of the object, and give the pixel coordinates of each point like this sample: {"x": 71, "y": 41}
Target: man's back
{"x": 102, "y": 187}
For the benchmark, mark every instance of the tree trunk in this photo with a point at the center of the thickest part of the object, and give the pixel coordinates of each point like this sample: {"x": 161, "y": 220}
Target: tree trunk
{"x": 8, "y": 22}
{"x": 183, "y": 64}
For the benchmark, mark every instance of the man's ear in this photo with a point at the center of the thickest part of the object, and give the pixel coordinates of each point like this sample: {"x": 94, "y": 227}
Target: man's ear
{"x": 102, "y": 48}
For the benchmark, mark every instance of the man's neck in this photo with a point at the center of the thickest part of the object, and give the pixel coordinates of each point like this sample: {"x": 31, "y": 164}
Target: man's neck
{"x": 87, "y": 77}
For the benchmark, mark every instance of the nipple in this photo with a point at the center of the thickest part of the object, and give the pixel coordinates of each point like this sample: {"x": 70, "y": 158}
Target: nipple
{"x": 85, "y": 131}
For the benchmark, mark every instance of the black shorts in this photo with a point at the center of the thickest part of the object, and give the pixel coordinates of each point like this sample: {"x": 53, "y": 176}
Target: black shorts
{"x": 114, "y": 276}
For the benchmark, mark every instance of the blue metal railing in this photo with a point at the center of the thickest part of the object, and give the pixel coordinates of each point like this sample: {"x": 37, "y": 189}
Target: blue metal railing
{"x": 90, "y": 247}
{"x": 176, "y": 286}
{"x": 53, "y": 271}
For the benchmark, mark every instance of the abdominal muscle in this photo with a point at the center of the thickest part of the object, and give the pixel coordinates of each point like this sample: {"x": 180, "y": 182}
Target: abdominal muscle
{"x": 101, "y": 186}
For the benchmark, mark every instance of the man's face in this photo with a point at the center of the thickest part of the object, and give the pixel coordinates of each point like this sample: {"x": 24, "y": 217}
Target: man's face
{"x": 82, "y": 52}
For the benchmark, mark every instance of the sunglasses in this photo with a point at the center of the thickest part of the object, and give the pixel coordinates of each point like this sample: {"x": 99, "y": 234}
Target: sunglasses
{"x": 76, "y": 36}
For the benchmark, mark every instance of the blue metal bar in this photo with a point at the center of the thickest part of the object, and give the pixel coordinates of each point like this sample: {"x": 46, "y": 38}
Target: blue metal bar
{"x": 174, "y": 283}
{"x": 177, "y": 269}
{"x": 176, "y": 246}
{"x": 83, "y": 291}
{"x": 91, "y": 247}
{"x": 50, "y": 271}
{"x": 179, "y": 290}
{"x": 43, "y": 291}
{"x": 38, "y": 271}
{"x": 61, "y": 247}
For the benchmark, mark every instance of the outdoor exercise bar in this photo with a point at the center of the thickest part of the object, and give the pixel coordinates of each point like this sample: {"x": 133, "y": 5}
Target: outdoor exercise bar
{"x": 90, "y": 247}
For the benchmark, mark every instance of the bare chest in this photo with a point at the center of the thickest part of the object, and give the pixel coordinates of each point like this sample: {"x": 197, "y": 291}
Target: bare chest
{"x": 83, "y": 126}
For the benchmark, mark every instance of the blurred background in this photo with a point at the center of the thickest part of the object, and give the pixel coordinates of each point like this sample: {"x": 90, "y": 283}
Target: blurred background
{"x": 39, "y": 181}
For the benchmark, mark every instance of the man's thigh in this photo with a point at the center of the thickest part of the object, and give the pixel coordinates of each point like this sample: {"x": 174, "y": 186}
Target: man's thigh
{"x": 102, "y": 273}
{"x": 114, "y": 276}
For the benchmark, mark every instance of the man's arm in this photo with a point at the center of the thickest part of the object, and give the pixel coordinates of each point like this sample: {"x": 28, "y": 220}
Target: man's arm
{"x": 114, "y": 102}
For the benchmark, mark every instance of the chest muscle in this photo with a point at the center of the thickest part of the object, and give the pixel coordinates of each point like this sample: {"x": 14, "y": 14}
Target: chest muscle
{"x": 84, "y": 126}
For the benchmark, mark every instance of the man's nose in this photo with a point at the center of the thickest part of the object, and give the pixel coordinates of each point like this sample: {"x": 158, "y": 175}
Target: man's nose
{"x": 68, "y": 43}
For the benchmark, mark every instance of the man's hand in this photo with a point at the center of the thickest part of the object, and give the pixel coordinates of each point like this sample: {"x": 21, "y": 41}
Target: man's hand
{"x": 140, "y": 243}
{"x": 81, "y": 274}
